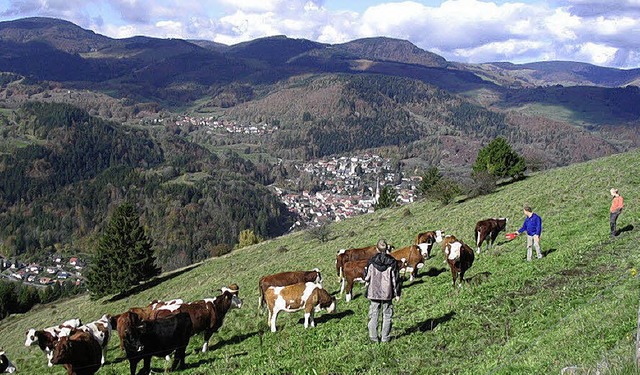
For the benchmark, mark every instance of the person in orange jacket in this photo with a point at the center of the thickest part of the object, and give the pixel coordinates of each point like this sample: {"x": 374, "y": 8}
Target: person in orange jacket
{"x": 617, "y": 204}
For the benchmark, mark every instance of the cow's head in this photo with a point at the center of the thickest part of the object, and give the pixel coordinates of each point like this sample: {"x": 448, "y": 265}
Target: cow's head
{"x": 131, "y": 328}
{"x": 502, "y": 223}
{"x": 61, "y": 351}
{"x": 315, "y": 276}
{"x": 31, "y": 337}
{"x": 439, "y": 235}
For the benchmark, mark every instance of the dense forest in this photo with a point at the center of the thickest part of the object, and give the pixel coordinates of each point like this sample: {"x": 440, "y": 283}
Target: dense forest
{"x": 68, "y": 171}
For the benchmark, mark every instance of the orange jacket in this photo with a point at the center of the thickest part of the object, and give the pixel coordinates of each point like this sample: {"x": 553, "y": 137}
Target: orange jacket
{"x": 617, "y": 204}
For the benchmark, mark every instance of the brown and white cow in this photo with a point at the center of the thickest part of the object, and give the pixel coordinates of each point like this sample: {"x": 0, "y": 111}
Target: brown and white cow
{"x": 354, "y": 271}
{"x": 347, "y": 255}
{"x": 426, "y": 240}
{"x": 488, "y": 230}
{"x": 414, "y": 260}
{"x": 459, "y": 256}
{"x": 46, "y": 338}
{"x": 287, "y": 278}
{"x": 308, "y": 296}
{"x": 157, "y": 303}
{"x": 207, "y": 315}
{"x": 6, "y": 367}
{"x": 100, "y": 330}
{"x": 79, "y": 353}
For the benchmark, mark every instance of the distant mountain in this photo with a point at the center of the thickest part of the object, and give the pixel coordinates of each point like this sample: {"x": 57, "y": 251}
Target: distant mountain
{"x": 567, "y": 73}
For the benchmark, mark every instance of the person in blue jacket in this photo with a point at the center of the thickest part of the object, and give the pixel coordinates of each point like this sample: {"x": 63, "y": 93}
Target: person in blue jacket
{"x": 533, "y": 226}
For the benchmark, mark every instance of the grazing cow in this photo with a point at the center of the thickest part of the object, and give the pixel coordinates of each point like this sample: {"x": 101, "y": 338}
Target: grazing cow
{"x": 47, "y": 337}
{"x": 347, "y": 255}
{"x": 79, "y": 353}
{"x": 287, "y": 278}
{"x": 143, "y": 339}
{"x": 101, "y": 331}
{"x": 487, "y": 230}
{"x": 413, "y": 258}
{"x": 6, "y": 367}
{"x": 425, "y": 241}
{"x": 308, "y": 296}
{"x": 206, "y": 315}
{"x": 459, "y": 256}
{"x": 354, "y": 271}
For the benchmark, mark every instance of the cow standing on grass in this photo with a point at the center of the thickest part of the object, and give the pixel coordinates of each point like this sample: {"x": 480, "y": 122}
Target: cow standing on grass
{"x": 487, "y": 231}
{"x": 346, "y": 255}
{"x": 101, "y": 331}
{"x": 47, "y": 338}
{"x": 287, "y": 278}
{"x": 6, "y": 367}
{"x": 207, "y": 315}
{"x": 142, "y": 339}
{"x": 79, "y": 353}
{"x": 459, "y": 256}
{"x": 309, "y": 297}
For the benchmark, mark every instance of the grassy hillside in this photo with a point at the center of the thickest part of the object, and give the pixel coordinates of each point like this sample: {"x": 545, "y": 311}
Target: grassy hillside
{"x": 577, "y": 306}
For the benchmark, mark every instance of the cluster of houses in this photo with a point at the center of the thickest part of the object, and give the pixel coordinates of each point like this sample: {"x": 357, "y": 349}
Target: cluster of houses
{"x": 350, "y": 186}
{"x": 210, "y": 124}
{"x": 56, "y": 269}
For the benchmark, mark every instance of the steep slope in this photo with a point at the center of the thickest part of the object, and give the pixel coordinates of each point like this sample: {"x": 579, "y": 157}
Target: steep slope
{"x": 575, "y": 307}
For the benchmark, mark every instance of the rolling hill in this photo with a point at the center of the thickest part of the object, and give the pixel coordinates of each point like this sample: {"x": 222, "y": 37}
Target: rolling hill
{"x": 575, "y": 307}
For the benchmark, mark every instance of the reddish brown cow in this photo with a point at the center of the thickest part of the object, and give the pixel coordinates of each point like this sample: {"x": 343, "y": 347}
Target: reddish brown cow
{"x": 459, "y": 256}
{"x": 488, "y": 230}
{"x": 426, "y": 240}
{"x": 309, "y": 297}
{"x": 354, "y": 271}
{"x": 287, "y": 278}
{"x": 413, "y": 258}
{"x": 80, "y": 353}
{"x": 206, "y": 315}
{"x": 348, "y": 255}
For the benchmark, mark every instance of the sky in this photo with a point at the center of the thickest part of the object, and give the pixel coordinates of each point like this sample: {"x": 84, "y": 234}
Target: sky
{"x": 600, "y": 32}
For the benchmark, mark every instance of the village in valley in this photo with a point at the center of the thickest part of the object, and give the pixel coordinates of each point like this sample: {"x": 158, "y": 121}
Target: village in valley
{"x": 55, "y": 269}
{"x": 349, "y": 186}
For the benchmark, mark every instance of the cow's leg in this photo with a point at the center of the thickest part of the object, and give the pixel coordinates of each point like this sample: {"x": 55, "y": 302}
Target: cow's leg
{"x": 342, "y": 282}
{"x": 349, "y": 290}
{"x": 454, "y": 275}
{"x": 178, "y": 358}
{"x": 274, "y": 315}
{"x": 206, "y": 336}
{"x": 478, "y": 241}
{"x": 146, "y": 366}
{"x": 104, "y": 355}
{"x": 49, "y": 353}
{"x": 133, "y": 363}
{"x": 307, "y": 315}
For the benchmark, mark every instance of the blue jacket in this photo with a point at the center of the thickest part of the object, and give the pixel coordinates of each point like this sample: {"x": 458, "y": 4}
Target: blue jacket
{"x": 532, "y": 225}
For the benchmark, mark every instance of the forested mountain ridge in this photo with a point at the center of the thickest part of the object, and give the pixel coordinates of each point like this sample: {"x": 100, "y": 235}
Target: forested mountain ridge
{"x": 66, "y": 170}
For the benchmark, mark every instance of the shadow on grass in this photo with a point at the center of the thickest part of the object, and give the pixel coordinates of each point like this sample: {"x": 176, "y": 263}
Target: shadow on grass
{"x": 329, "y": 316}
{"x": 233, "y": 340}
{"x": 626, "y": 228}
{"x": 203, "y": 361}
{"x": 151, "y": 283}
{"x": 478, "y": 278}
{"x": 548, "y": 251}
{"x": 433, "y": 272}
{"x": 429, "y": 324}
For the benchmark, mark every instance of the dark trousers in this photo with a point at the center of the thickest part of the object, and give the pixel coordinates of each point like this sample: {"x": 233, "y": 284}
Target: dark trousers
{"x": 612, "y": 222}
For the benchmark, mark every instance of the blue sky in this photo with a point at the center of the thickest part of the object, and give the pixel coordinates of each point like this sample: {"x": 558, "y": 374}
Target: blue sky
{"x": 601, "y": 32}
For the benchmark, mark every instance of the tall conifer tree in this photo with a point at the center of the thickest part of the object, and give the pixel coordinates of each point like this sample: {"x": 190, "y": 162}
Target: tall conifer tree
{"x": 124, "y": 256}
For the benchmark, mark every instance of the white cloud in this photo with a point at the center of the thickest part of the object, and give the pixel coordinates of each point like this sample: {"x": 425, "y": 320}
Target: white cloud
{"x": 597, "y": 31}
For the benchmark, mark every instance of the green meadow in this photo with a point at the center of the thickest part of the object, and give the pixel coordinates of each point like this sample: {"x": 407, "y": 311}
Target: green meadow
{"x": 577, "y": 306}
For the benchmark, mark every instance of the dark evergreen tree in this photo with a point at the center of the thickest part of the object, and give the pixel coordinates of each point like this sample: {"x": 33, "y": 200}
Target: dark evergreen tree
{"x": 429, "y": 179}
{"x": 387, "y": 198}
{"x": 499, "y": 160}
{"x": 124, "y": 256}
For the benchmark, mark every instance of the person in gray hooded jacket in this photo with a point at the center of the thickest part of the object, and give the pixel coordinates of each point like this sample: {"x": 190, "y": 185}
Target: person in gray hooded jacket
{"x": 383, "y": 284}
